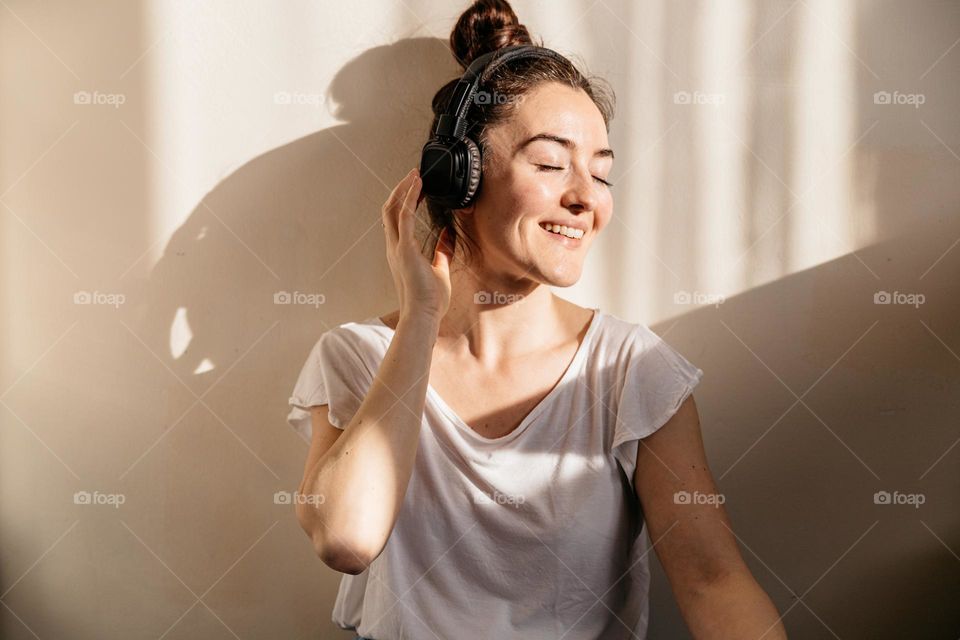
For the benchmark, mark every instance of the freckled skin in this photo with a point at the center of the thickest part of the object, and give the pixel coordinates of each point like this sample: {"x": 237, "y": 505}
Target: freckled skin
{"x": 516, "y": 195}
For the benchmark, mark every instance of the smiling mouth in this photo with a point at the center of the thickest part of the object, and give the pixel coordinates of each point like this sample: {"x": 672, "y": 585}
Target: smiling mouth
{"x": 562, "y": 231}
{"x": 565, "y": 241}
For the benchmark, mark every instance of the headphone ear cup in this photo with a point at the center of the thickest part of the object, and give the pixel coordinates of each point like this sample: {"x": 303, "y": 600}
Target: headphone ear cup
{"x": 474, "y": 171}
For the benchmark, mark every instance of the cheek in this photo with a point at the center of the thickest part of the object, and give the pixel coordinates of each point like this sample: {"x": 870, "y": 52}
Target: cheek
{"x": 517, "y": 200}
{"x": 539, "y": 189}
{"x": 604, "y": 211}
{"x": 532, "y": 197}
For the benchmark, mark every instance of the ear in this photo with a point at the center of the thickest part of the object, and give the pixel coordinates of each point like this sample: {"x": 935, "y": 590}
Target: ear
{"x": 463, "y": 212}
{"x": 469, "y": 209}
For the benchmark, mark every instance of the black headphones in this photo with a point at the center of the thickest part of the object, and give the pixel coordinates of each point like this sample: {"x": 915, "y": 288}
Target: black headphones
{"x": 450, "y": 163}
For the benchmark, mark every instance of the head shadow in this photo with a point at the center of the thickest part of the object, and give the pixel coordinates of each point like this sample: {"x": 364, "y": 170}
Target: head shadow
{"x": 294, "y": 234}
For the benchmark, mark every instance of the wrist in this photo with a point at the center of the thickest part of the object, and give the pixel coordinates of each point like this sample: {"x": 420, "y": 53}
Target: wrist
{"x": 419, "y": 322}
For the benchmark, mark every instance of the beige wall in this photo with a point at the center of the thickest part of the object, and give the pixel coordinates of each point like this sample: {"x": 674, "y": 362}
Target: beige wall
{"x": 781, "y": 186}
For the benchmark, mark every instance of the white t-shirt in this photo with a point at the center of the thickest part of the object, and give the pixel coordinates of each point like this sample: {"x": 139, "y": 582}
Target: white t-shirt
{"x": 537, "y": 534}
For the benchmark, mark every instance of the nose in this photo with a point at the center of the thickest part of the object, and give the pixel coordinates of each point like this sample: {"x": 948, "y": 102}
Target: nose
{"x": 581, "y": 194}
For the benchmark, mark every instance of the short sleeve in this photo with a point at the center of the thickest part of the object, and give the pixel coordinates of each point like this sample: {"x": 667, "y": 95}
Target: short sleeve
{"x": 656, "y": 381}
{"x": 335, "y": 375}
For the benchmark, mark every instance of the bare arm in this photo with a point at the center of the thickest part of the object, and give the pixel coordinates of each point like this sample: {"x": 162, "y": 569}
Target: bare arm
{"x": 363, "y": 476}
{"x": 716, "y": 593}
{"x": 363, "y": 473}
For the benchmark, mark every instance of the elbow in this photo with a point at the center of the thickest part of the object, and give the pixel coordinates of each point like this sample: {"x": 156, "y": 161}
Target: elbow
{"x": 338, "y": 552}
{"x": 337, "y": 544}
{"x": 343, "y": 555}
{"x": 343, "y": 559}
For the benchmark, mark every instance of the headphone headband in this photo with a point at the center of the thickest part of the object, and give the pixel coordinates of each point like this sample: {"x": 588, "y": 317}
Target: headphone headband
{"x": 451, "y": 163}
{"x": 453, "y": 123}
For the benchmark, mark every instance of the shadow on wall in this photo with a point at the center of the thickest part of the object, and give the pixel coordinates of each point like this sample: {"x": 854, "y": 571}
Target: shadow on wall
{"x": 880, "y": 414}
{"x": 304, "y": 217}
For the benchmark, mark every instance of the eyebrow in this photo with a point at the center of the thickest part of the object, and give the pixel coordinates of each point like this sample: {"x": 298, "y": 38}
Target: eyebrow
{"x": 565, "y": 142}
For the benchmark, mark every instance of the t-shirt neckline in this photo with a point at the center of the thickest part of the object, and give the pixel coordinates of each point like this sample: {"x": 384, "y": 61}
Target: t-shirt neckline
{"x": 568, "y": 373}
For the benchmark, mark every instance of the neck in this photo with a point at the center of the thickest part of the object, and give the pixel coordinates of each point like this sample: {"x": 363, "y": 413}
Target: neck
{"x": 493, "y": 318}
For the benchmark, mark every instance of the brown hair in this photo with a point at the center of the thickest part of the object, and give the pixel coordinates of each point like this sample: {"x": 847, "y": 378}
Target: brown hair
{"x": 488, "y": 25}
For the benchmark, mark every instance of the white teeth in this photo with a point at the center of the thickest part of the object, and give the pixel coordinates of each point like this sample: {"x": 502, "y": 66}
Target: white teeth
{"x": 570, "y": 232}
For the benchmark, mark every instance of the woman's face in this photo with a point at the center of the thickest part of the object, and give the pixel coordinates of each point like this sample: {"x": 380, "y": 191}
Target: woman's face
{"x": 546, "y": 164}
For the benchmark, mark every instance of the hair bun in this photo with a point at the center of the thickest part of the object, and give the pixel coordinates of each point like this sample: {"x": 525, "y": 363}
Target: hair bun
{"x": 487, "y": 25}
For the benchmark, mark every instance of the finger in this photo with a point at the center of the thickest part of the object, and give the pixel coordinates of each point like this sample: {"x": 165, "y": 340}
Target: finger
{"x": 390, "y": 236}
{"x": 389, "y": 227}
{"x": 407, "y": 213}
{"x": 388, "y": 212}
{"x": 443, "y": 253}
{"x": 399, "y": 188}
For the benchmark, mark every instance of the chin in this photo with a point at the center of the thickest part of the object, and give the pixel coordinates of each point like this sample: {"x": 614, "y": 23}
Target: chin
{"x": 563, "y": 277}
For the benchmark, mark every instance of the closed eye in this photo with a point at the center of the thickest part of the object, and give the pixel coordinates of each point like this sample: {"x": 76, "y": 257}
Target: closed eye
{"x": 547, "y": 167}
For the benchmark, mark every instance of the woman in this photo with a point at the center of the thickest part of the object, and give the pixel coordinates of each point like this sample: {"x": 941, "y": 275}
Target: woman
{"x": 477, "y": 453}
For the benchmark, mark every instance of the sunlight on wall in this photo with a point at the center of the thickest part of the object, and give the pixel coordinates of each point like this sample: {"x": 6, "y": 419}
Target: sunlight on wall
{"x": 820, "y": 220}
{"x": 775, "y": 160}
{"x": 180, "y": 334}
{"x": 177, "y": 158}
{"x": 721, "y": 39}
{"x": 204, "y": 366}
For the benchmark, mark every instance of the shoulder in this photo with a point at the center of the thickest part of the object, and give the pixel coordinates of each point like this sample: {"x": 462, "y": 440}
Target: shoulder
{"x": 623, "y": 337}
{"x": 628, "y": 349}
{"x": 362, "y": 339}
